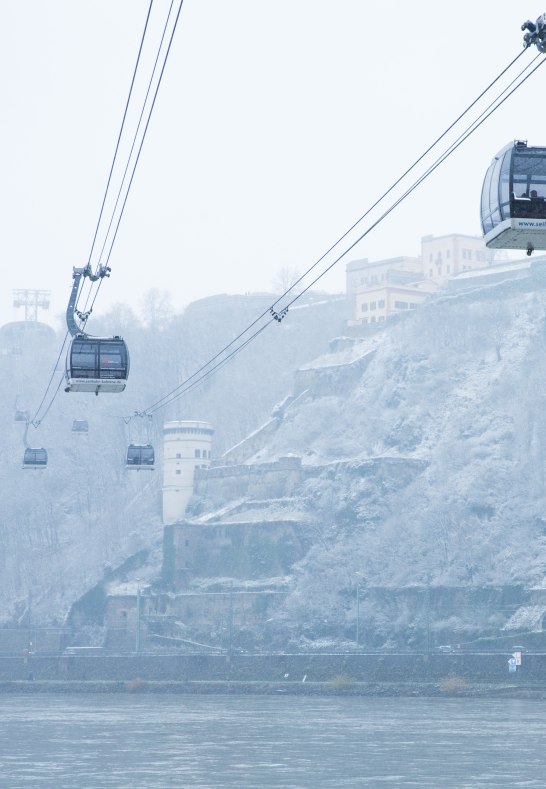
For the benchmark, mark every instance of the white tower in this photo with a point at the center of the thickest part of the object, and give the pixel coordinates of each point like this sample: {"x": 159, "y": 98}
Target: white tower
{"x": 186, "y": 446}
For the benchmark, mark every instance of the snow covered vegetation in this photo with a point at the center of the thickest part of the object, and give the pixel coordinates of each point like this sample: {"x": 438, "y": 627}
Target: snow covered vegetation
{"x": 65, "y": 527}
{"x": 426, "y": 471}
{"x": 421, "y": 482}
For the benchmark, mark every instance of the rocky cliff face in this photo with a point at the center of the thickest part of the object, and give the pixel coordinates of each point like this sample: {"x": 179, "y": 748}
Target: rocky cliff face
{"x": 451, "y": 401}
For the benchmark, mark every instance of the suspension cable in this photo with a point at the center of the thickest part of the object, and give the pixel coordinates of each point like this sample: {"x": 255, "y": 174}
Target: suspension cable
{"x": 120, "y": 132}
{"x": 117, "y": 145}
{"x": 145, "y": 130}
{"x": 189, "y": 384}
{"x": 404, "y": 174}
{"x": 134, "y": 142}
{"x": 36, "y": 420}
{"x": 137, "y": 131}
{"x": 278, "y": 316}
{"x": 471, "y": 129}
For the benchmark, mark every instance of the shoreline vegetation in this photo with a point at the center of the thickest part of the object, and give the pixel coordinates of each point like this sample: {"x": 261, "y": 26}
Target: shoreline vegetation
{"x": 452, "y": 686}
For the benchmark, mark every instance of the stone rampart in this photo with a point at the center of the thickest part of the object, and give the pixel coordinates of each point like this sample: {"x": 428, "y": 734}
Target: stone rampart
{"x": 331, "y": 379}
{"x": 275, "y": 480}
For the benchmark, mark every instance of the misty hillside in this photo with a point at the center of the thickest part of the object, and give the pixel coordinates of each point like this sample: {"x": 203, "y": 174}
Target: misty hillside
{"x": 427, "y": 469}
{"x": 458, "y": 385}
{"x": 63, "y": 527}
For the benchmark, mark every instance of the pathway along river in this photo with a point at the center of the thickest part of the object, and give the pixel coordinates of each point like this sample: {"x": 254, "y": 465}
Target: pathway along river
{"x": 137, "y": 741}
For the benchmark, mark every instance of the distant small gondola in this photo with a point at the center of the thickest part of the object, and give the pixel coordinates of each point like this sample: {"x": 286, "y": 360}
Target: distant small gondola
{"x": 97, "y": 364}
{"x": 80, "y": 426}
{"x": 35, "y": 458}
{"x": 513, "y": 205}
{"x": 140, "y": 456}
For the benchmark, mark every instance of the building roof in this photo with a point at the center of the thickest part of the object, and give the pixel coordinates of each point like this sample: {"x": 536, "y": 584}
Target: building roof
{"x": 355, "y": 265}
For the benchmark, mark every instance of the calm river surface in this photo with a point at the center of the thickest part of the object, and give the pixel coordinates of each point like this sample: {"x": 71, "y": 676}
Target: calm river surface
{"x": 81, "y": 741}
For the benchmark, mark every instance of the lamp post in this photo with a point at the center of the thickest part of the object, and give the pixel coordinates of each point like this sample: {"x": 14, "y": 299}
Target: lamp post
{"x": 230, "y": 617}
{"x": 137, "y": 628}
{"x": 357, "y": 616}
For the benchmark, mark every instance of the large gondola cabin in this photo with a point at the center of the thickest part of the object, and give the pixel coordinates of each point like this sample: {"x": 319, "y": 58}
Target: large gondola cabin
{"x": 513, "y": 204}
{"x": 97, "y": 364}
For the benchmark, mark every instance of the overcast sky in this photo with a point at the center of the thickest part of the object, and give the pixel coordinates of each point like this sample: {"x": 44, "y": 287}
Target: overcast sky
{"x": 276, "y": 126}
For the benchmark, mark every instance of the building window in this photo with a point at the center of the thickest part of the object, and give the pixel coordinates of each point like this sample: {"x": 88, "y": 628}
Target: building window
{"x": 197, "y": 453}
{"x": 448, "y": 253}
{"x": 178, "y": 471}
{"x": 373, "y": 305}
{"x": 381, "y": 318}
{"x": 467, "y": 254}
{"x": 448, "y": 269}
{"x": 381, "y": 303}
{"x": 431, "y": 257}
{"x": 412, "y": 305}
{"x": 364, "y": 308}
{"x": 400, "y": 305}
{"x": 178, "y": 455}
{"x": 186, "y": 543}
{"x": 430, "y": 272}
{"x": 372, "y": 319}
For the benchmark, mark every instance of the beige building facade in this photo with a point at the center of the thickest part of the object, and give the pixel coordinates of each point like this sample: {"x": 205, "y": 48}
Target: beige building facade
{"x": 378, "y": 289}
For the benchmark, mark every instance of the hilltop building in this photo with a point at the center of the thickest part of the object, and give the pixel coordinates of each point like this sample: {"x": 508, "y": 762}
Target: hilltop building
{"x": 378, "y": 289}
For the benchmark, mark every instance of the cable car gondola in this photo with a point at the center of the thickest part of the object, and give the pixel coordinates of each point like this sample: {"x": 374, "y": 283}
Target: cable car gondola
{"x": 35, "y": 458}
{"x": 513, "y": 205}
{"x": 80, "y": 426}
{"x": 93, "y": 364}
{"x": 140, "y": 456}
{"x": 97, "y": 364}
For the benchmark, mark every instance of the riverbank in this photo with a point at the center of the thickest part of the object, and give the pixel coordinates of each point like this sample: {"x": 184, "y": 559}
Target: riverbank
{"x": 341, "y": 686}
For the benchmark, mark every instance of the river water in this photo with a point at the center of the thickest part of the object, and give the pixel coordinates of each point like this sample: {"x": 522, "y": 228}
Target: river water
{"x": 253, "y": 742}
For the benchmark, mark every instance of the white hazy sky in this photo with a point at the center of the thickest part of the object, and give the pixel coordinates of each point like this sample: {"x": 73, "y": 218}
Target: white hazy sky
{"x": 276, "y": 126}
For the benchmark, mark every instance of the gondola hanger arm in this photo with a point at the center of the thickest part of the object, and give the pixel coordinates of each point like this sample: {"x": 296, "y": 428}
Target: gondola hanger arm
{"x": 77, "y": 275}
